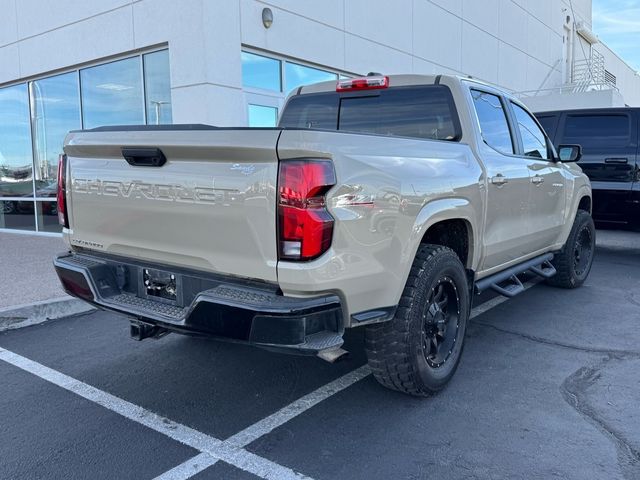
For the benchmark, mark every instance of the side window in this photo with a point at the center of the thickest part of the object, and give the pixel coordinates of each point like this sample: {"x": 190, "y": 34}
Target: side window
{"x": 493, "y": 121}
{"x": 534, "y": 142}
{"x": 548, "y": 122}
{"x": 596, "y": 131}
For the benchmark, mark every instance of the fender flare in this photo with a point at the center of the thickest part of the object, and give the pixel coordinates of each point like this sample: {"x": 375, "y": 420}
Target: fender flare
{"x": 454, "y": 208}
{"x": 583, "y": 191}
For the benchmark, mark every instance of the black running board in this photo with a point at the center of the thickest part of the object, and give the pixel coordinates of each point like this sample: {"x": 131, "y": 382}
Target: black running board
{"x": 507, "y": 282}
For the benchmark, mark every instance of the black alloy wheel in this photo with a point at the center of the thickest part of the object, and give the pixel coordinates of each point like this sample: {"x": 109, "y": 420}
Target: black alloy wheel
{"x": 441, "y": 322}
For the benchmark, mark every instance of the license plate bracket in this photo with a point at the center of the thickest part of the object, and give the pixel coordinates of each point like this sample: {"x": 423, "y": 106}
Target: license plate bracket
{"x": 161, "y": 286}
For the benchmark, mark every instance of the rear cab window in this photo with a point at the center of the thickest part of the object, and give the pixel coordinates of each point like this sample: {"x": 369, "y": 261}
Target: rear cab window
{"x": 425, "y": 112}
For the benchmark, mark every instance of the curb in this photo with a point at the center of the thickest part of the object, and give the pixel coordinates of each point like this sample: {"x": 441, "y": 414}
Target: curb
{"x": 20, "y": 316}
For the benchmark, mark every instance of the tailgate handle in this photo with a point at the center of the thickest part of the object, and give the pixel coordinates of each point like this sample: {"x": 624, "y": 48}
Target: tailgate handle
{"x": 144, "y": 157}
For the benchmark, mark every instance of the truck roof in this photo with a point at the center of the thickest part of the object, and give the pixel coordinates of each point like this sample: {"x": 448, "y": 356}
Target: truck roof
{"x": 399, "y": 80}
{"x": 591, "y": 110}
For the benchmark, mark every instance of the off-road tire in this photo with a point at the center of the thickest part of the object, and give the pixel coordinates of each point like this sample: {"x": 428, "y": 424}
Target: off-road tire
{"x": 396, "y": 350}
{"x": 570, "y": 272}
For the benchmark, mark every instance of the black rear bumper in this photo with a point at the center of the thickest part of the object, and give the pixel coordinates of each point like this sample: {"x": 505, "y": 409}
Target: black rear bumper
{"x": 218, "y": 306}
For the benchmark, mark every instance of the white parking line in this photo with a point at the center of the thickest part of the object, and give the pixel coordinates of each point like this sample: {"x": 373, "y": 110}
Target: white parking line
{"x": 282, "y": 416}
{"x": 189, "y": 468}
{"x": 212, "y": 449}
{"x": 243, "y": 438}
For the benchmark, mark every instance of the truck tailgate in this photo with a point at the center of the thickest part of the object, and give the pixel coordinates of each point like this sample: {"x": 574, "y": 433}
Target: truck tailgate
{"x": 211, "y": 206}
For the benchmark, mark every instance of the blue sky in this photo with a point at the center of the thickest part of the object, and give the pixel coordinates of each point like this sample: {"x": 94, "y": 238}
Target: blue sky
{"x": 617, "y": 23}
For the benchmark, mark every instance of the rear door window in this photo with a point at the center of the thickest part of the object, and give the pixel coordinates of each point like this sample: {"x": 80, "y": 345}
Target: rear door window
{"x": 426, "y": 112}
{"x": 493, "y": 121}
{"x": 597, "y": 130}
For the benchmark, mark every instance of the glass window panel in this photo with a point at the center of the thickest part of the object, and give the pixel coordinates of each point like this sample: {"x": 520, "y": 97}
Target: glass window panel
{"x": 534, "y": 142}
{"x": 48, "y": 216}
{"x": 112, "y": 94}
{"x": 493, "y": 121}
{"x": 595, "y": 130}
{"x": 549, "y": 124}
{"x": 420, "y": 112}
{"x": 315, "y": 110}
{"x": 17, "y": 215}
{"x": 261, "y": 116}
{"x": 297, "y": 75}
{"x": 260, "y": 72}
{"x": 55, "y": 111}
{"x": 16, "y": 164}
{"x": 157, "y": 87}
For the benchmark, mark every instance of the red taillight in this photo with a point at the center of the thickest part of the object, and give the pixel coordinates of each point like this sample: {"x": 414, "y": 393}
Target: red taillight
{"x": 364, "y": 83}
{"x": 61, "y": 197}
{"x": 305, "y": 225}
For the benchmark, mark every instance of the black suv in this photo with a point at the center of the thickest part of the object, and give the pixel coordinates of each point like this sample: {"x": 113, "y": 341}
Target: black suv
{"x": 609, "y": 139}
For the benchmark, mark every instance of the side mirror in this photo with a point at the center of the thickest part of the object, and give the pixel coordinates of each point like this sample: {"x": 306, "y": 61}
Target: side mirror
{"x": 569, "y": 153}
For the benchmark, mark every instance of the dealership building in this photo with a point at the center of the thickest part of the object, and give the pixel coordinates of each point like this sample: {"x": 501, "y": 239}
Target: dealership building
{"x": 86, "y": 63}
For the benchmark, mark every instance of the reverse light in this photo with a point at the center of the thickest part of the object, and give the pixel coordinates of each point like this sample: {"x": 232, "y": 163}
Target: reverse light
{"x": 305, "y": 226}
{"x": 364, "y": 83}
{"x": 61, "y": 197}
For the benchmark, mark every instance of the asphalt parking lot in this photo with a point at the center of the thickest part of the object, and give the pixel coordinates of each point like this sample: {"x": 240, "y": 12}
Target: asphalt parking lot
{"x": 548, "y": 387}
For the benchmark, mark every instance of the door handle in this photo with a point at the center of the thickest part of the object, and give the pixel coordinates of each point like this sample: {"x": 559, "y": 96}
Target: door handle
{"x": 621, "y": 161}
{"x": 499, "y": 179}
{"x": 537, "y": 180}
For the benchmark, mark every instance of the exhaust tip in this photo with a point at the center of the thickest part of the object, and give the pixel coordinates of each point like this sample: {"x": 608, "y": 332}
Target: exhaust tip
{"x": 332, "y": 355}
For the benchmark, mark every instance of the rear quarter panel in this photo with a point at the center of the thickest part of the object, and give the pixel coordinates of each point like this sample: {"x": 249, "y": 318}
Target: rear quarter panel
{"x": 389, "y": 191}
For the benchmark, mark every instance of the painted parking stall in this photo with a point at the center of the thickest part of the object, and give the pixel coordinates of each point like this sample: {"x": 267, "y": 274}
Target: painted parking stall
{"x": 537, "y": 392}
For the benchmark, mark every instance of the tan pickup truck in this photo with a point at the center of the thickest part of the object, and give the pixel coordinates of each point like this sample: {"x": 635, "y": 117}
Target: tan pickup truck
{"x": 378, "y": 202}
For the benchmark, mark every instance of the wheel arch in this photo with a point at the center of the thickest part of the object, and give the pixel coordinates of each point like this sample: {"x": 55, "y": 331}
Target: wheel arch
{"x": 451, "y": 222}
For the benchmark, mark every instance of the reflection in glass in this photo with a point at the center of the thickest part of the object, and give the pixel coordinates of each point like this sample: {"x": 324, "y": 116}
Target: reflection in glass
{"x": 157, "y": 88}
{"x": 112, "y": 94}
{"x": 16, "y": 165}
{"x": 493, "y": 121}
{"x": 260, "y": 72}
{"x": 533, "y": 140}
{"x": 48, "y": 217}
{"x": 17, "y": 215}
{"x": 261, "y": 116}
{"x": 420, "y": 112}
{"x": 298, "y": 75}
{"x": 55, "y": 110}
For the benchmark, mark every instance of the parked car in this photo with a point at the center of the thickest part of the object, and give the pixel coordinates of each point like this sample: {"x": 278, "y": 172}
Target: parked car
{"x": 27, "y": 206}
{"x": 609, "y": 140}
{"x": 379, "y": 202}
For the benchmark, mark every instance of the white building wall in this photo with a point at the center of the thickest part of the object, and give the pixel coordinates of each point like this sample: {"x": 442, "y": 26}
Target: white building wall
{"x": 517, "y": 44}
{"x": 627, "y": 80}
{"x": 514, "y": 44}
{"x": 43, "y": 37}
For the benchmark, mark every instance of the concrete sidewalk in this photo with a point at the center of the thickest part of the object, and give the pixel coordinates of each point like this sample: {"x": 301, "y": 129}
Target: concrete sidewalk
{"x": 29, "y": 288}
